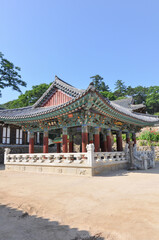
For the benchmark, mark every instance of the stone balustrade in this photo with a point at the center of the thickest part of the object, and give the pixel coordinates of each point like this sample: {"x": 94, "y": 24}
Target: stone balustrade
{"x": 144, "y": 159}
{"x": 51, "y": 159}
{"x": 109, "y": 157}
{"x": 85, "y": 163}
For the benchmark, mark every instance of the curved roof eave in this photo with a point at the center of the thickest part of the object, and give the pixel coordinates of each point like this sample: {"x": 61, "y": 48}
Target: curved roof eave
{"x": 41, "y": 112}
{"x": 125, "y": 111}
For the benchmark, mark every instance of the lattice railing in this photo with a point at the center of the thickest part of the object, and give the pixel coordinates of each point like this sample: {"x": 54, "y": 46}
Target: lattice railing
{"x": 109, "y": 157}
{"x": 89, "y": 158}
{"x": 47, "y": 158}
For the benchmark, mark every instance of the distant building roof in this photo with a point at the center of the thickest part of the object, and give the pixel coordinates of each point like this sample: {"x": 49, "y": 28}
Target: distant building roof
{"x": 125, "y": 102}
{"x": 129, "y": 103}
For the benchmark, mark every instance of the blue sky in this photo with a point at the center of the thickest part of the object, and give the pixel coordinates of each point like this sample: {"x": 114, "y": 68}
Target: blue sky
{"x": 76, "y": 39}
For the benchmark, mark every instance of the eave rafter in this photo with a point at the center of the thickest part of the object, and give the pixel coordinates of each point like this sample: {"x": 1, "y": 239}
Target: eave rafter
{"x": 59, "y": 112}
{"x": 104, "y": 108}
{"x": 83, "y": 109}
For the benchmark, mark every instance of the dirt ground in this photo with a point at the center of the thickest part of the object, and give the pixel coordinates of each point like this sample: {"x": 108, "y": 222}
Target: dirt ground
{"x": 120, "y": 206}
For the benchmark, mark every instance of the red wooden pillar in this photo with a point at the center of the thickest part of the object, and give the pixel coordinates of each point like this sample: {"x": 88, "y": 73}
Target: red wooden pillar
{"x": 96, "y": 140}
{"x": 64, "y": 140}
{"x": 58, "y": 148}
{"x": 70, "y": 143}
{"x": 128, "y": 137}
{"x": 104, "y": 143}
{"x": 90, "y": 137}
{"x": 84, "y": 138}
{"x": 109, "y": 141}
{"x": 31, "y": 142}
{"x": 119, "y": 141}
{"x": 134, "y": 138}
{"x": 45, "y": 141}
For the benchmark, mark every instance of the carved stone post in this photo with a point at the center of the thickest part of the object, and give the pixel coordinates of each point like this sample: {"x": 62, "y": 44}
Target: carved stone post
{"x": 131, "y": 155}
{"x": 6, "y": 152}
{"x": 31, "y": 142}
{"x": 153, "y": 156}
{"x": 84, "y": 138}
{"x": 90, "y": 152}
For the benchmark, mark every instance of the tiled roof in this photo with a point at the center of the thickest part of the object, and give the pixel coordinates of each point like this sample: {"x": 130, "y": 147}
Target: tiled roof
{"x": 137, "y": 106}
{"x": 125, "y": 102}
{"x": 35, "y": 110}
{"x": 32, "y": 111}
{"x": 23, "y": 112}
{"x": 128, "y": 103}
{"x": 140, "y": 116}
{"x": 60, "y": 84}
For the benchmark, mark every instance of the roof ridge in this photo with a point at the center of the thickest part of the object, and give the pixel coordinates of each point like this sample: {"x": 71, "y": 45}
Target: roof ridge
{"x": 128, "y": 98}
{"x": 58, "y": 83}
{"x": 57, "y": 78}
{"x": 15, "y": 109}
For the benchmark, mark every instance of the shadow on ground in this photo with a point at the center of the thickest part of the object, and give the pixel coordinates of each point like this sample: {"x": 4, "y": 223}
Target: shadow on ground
{"x": 17, "y": 225}
{"x": 2, "y": 167}
{"x": 125, "y": 172}
{"x": 114, "y": 173}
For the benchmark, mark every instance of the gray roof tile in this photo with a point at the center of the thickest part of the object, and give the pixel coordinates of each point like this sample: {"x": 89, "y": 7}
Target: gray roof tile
{"x": 32, "y": 111}
{"x": 60, "y": 84}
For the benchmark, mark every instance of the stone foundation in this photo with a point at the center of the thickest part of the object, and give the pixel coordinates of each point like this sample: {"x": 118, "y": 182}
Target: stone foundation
{"x": 109, "y": 168}
{"x": 80, "y": 171}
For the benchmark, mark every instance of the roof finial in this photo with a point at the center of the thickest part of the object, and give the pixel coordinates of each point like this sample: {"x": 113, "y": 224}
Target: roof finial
{"x": 91, "y": 86}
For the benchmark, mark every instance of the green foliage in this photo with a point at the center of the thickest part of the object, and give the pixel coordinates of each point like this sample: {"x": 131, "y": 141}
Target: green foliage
{"x": 99, "y": 84}
{"x": 149, "y": 136}
{"x": 143, "y": 143}
{"x": 139, "y": 93}
{"x": 9, "y": 75}
{"x": 109, "y": 95}
{"x": 120, "y": 88}
{"x": 147, "y": 143}
{"x": 152, "y": 100}
{"x": 119, "y": 98}
{"x": 149, "y": 96}
{"x": 124, "y": 137}
{"x": 28, "y": 98}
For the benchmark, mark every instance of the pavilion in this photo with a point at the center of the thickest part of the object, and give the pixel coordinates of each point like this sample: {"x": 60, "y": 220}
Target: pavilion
{"x": 63, "y": 111}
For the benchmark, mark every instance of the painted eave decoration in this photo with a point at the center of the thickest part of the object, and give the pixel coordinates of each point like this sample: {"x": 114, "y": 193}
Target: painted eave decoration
{"x": 90, "y": 101}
